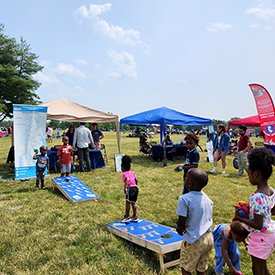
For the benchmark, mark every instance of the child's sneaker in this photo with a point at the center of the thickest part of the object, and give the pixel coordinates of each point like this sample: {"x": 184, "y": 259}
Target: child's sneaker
{"x": 134, "y": 219}
{"x": 36, "y": 187}
{"x": 126, "y": 219}
{"x": 43, "y": 188}
{"x": 213, "y": 171}
{"x": 218, "y": 273}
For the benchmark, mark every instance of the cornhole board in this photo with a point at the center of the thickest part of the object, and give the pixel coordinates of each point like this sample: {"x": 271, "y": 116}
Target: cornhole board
{"x": 74, "y": 189}
{"x": 156, "y": 237}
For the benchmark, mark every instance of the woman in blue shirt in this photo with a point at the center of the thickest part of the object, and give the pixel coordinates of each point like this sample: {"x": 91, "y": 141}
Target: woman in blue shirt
{"x": 221, "y": 146}
{"x": 97, "y": 136}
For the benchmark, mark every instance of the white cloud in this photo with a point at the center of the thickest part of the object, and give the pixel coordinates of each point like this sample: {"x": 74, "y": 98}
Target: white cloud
{"x": 117, "y": 34}
{"x": 44, "y": 79}
{"x": 218, "y": 26}
{"x": 97, "y": 65}
{"x": 262, "y": 12}
{"x": 81, "y": 61}
{"x": 267, "y": 28}
{"x": 68, "y": 69}
{"x": 59, "y": 88}
{"x": 93, "y": 11}
{"x": 114, "y": 33}
{"x": 252, "y": 25}
{"x": 45, "y": 63}
{"x": 125, "y": 62}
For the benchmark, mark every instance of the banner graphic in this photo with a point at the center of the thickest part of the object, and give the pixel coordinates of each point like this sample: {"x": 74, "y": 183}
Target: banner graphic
{"x": 266, "y": 113}
{"x": 29, "y": 133}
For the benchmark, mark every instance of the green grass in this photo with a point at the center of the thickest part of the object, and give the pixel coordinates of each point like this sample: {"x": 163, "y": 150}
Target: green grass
{"x": 43, "y": 233}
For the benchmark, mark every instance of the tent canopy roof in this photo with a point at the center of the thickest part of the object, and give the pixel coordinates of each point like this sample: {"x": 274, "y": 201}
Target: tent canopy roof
{"x": 166, "y": 116}
{"x": 248, "y": 121}
{"x": 66, "y": 110}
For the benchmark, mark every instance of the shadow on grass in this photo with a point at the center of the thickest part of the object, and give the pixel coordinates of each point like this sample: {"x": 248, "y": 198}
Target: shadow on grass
{"x": 57, "y": 193}
{"x": 6, "y": 172}
{"x": 150, "y": 162}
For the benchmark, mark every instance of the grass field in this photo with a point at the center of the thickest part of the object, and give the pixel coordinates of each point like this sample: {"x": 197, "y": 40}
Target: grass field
{"x": 43, "y": 233}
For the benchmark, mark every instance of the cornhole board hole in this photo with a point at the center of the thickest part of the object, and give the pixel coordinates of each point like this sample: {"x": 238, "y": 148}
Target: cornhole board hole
{"x": 156, "y": 237}
{"x": 74, "y": 189}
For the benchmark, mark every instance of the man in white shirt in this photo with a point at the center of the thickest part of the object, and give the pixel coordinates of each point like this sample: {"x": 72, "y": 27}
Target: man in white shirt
{"x": 83, "y": 138}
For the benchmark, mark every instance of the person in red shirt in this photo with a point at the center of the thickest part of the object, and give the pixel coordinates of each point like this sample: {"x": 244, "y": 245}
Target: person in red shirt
{"x": 65, "y": 157}
{"x": 244, "y": 145}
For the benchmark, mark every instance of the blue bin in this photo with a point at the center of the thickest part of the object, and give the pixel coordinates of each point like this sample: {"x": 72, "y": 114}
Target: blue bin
{"x": 272, "y": 147}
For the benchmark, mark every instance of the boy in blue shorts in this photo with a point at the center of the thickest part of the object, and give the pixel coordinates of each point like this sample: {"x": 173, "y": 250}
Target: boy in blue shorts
{"x": 192, "y": 158}
{"x": 42, "y": 162}
{"x": 195, "y": 218}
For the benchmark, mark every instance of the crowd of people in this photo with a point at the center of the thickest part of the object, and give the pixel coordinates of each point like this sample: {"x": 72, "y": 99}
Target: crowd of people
{"x": 76, "y": 144}
{"x": 194, "y": 208}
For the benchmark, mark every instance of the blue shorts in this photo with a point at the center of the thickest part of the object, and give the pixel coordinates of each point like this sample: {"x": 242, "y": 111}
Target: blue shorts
{"x": 40, "y": 176}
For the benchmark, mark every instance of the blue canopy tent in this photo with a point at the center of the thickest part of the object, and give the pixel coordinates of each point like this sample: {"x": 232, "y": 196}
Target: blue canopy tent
{"x": 164, "y": 116}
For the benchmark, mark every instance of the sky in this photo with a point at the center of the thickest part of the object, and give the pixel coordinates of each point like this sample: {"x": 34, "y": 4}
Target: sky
{"x": 129, "y": 56}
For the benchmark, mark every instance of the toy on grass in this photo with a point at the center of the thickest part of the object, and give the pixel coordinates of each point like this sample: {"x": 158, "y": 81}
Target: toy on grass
{"x": 243, "y": 209}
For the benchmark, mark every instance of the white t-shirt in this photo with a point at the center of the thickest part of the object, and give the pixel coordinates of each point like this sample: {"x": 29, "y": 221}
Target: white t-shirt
{"x": 197, "y": 207}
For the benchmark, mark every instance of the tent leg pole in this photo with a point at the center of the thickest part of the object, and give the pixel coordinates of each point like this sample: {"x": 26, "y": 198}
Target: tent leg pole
{"x": 164, "y": 154}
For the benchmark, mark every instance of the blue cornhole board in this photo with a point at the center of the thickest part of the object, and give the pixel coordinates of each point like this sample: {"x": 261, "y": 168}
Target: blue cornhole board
{"x": 74, "y": 189}
{"x": 156, "y": 237}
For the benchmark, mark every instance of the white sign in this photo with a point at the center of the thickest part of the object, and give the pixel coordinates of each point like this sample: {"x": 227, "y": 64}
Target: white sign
{"x": 29, "y": 131}
{"x": 209, "y": 146}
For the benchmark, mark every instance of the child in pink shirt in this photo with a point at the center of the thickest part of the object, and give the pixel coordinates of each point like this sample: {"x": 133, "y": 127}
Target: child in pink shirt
{"x": 130, "y": 189}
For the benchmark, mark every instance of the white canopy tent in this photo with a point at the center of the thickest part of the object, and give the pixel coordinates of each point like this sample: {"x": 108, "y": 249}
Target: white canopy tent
{"x": 66, "y": 110}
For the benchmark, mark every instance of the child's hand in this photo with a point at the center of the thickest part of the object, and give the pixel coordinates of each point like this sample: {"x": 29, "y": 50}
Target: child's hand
{"x": 237, "y": 217}
{"x": 178, "y": 168}
{"x": 233, "y": 271}
{"x": 60, "y": 166}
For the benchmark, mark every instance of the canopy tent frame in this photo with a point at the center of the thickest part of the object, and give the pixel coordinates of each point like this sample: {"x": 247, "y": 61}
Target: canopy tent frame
{"x": 252, "y": 121}
{"x": 66, "y": 110}
{"x": 163, "y": 116}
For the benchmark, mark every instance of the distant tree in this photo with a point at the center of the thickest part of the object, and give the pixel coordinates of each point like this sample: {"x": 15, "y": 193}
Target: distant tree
{"x": 215, "y": 122}
{"x": 17, "y": 66}
{"x": 234, "y": 118}
{"x": 6, "y": 123}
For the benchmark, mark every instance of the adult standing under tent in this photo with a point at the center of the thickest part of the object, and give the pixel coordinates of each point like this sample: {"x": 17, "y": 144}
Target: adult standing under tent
{"x": 244, "y": 145}
{"x": 50, "y": 133}
{"x": 83, "y": 139}
{"x": 97, "y": 136}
